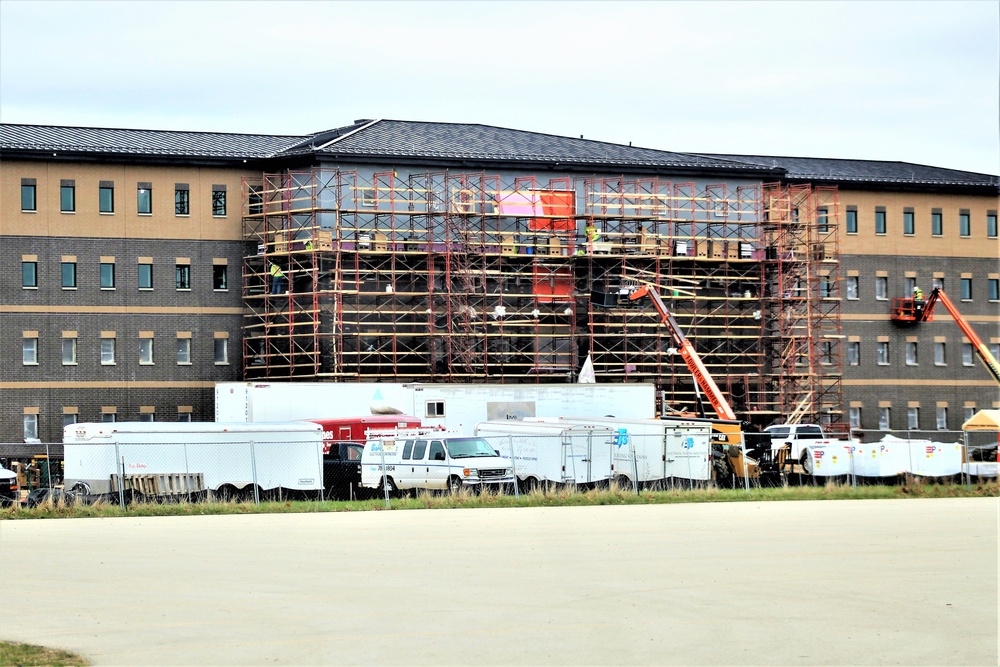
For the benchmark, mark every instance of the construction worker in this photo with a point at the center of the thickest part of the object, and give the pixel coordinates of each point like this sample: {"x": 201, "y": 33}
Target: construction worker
{"x": 277, "y": 279}
{"x": 918, "y": 300}
{"x": 592, "y": 235}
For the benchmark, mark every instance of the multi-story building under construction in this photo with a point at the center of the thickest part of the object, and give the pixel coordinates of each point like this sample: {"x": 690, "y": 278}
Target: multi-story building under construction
{"x": 431, "y": 252}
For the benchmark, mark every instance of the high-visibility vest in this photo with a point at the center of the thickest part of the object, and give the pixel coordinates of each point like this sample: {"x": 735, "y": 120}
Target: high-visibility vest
{"x": 276, "y": 271}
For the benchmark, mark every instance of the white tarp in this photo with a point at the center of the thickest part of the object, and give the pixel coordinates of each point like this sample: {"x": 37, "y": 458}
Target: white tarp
{"x": 829, "y": 460}
{"x": 893, "y": 456}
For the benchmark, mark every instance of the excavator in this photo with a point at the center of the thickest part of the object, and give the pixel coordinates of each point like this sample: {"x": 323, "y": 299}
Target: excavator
{"x": 914, "y": 311}
{"x": 727, "y": 429}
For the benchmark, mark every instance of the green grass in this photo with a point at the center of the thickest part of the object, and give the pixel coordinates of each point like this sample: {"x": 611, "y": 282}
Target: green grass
{"x": 538, "y": 498}
{"x": 27, "y": 655}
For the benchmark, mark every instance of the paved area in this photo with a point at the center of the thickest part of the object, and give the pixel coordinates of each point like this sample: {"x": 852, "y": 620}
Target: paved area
{"x": 910, "y": 582}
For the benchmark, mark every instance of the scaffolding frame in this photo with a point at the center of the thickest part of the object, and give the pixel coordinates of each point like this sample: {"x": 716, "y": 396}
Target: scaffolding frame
{"x": 473, "y": 277}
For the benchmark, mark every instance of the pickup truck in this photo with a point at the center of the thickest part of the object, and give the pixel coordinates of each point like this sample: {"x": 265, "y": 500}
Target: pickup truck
{"x": 342, "y": 471}
{"x": 799, "y": 437}
{"x": 9, "y": 490}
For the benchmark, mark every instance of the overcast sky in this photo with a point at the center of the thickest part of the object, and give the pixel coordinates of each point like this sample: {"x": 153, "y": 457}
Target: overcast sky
{"x": 909, "y": 81}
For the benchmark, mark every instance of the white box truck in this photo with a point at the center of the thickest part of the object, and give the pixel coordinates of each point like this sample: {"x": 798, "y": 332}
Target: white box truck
{"x": 226, "y": 458}
{"x": 558, "y": 453}
{"x": 651, "y": 452}
{"x": 455, "y": 407}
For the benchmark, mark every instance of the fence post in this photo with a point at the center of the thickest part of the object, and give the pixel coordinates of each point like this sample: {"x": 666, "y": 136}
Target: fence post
{"x": 322, "y": 474}
{"x": 253, "y": 473}
{"x": 513, "y": 465}
{"x": 635, "y": 465}
{"x": 121, "y": 481}
{"x": 968, "y": 463}
{"x": 746, "y": 465}
{"x": 385, "y": 474}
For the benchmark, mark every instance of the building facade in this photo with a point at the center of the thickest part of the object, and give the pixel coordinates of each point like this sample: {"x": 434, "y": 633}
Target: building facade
{"x": 137, "y": 271}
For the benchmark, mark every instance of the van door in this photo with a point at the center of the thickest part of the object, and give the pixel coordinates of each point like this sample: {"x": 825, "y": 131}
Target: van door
{"x": 414, "y": 470}
{"x": 437, "y": 466}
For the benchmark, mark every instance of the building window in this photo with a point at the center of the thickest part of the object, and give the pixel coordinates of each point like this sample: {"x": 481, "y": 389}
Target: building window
{"x": 107, "y": 275}
{"x": 964, "y": 224}
{"x": 882, "y": 353}
{"x": 880, "y": 220}
{"x": 434, "y": 409}
{"x": 994, "y": 286}
{"x": 966, "y": 289}
{"x": 937, "y": 224}
{"x": 183, "y": 351}
{"x": 825, "y": 287}
{"x": 854, "y": 353}
{"x": 908, "y": 224}
{"x": 183, "y": 276}
{"x": 69, "y": 351}
{"x": 31, "y": 427}
{"x": 69, "y": 418}
{"x": 822, "y": 219}
{"x": 109, "y": 417}
{"x": 145, "y": 276}
{"x": 29, "y": 351}
{"x": 852, "y": 287}
{"x": 182, "y": 199}
{"x": 941, "y": 418}
{"x": 183, "y": 416}
{"x": 69, "y": 275}
{"x": 220, "y": 277}
{"x": 852, "y": 220}
{"x": 106, "y": 197}
{"x": 939, "y": 354}
{"x": 826, "y": 352}
{"x": 991, "y": 225}
{"x": 968, "y": 412}
{"x": 911, "y": 284}
{"x": 28, "y": 199}
{"x": 29, "y": 274}
{"x": 854, "y": 417}
{"x": 913, "y": 418}
{"x": 967, "y": 353}
{"x": 107, "y": 351}
{"x": 883, "y": 419}
{"x": 255, "y": 200}
{"x": 146, "y": 351}
{"x": 145, "y": 416}
{"x": 995, "y": 350}
{"x": 221, "y": 351}
{"x": 881, "y": 288}
{"x": 911, "y": 353}
{"x": 937, "y": 282}
{"x": 218, "y": 200}
{"x": 67, "y": 197}
{"x": 144, "y": 199}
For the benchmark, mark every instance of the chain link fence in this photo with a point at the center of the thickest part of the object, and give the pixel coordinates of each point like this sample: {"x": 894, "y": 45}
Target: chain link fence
{"x": 570, "y": 460}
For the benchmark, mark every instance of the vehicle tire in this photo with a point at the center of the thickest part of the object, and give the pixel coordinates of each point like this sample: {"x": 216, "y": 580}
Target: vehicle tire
{"x": 806, "y": 462}
{"x": 393, "y": 489}
{"x": 454, "y": 484}
{"x": 623, "y": 483}
{"x": 529, "y": 484}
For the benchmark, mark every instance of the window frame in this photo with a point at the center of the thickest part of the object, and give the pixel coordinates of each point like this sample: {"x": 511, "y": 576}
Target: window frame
{"x": 67, "y": 198}
{"x": 218, "y": 201}
{"x": 32, "y": 419}
{"x": 110, "y": 191}
{"x": 912, "y": 418}
{"x": 29, "y": 274}
{"x": 853, "y": 353}
{"x": 882, "y": 352}
{"x": 223, "y": 344}
{"x": 71, "y": 267}
{"x": 29, "y": 344}
{"x": 884, "y": 419}
{"x": 106, "y": 359}
{"x": 33, "y": 204}
{"x": 223, "y": 271}
{"x": 144, "y": 199}
{"x": 993, "y": 285}
{"x": 881, "y": 227}
{"x": 852, "y": 288}
{"x": 146, "y": 352}
{"x": 69, "y": 345}
{"x": 909, "y": 223}
{"x": 145, "y": 268}
{"x": 941, "y": 417}
{"x": 107, "y": 284}
{"x": 854, "y": 416}
{"x": 965, "y": 289}
{"x": 968, "y": 354}
{"x": 183, "y": 351}
{"x": 964, "y": 224}
{"x": 940, "y": 353}
{"x": 182, "y": 201}
{"x": 991, "y": 224}
{"x": 937, "y": 223}
{"x": 182, "y": 277}
{"x": 881, "y": 288}
{"x": 851, "y": 220}
{"x": 912, "y": 353}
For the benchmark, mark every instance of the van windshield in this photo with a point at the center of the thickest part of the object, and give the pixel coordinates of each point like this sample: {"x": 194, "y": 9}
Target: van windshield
{"x": 464, "y": 448}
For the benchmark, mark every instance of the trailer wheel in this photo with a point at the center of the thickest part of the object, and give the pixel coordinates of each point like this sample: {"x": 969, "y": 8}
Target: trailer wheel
{"x": 393, "y": 489}
{"x": 529, "y": 484}
{"x": 454, "y": 484}
{"x": 623, "y": 483}
{"x": 806, "y": 462}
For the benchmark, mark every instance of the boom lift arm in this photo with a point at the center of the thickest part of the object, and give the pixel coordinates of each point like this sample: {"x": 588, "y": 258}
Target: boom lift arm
{"x": 910, "y": 310}
{"x": 688, "y": 353}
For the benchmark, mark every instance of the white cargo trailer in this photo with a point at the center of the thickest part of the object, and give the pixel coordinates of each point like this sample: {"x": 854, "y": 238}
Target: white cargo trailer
{"x": 455, "y": 407}
{"x": 576, "y": 454}
{"x": 225, "y": 457}
{"x": 651, "y": 451}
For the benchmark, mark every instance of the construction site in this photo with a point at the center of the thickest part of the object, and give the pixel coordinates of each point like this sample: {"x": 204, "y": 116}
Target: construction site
{"x": 477, "y": 278}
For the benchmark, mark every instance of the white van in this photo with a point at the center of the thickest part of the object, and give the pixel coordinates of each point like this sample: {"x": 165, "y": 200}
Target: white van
{"x": 429, "y": 461}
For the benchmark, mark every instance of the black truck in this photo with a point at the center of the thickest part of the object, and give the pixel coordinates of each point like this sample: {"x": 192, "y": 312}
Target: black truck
{"x": 342, "y": 472}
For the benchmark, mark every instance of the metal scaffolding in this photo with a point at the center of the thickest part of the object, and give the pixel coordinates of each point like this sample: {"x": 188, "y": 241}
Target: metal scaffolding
{"x": 463, "y": 277}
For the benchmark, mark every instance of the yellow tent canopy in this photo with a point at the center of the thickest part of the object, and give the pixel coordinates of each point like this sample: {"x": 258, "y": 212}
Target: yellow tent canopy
{"x": 984, "y": 420}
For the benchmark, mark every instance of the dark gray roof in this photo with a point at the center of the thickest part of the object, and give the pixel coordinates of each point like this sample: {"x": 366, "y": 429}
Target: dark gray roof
{"x": 99, "y": 140}
{"x": 461, "y": 141}
{"x": 865, "y": 171}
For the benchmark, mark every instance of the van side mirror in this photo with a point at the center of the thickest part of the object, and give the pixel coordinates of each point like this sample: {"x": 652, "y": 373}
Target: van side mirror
{"x": 497, "y": 451}
{"x": 439, "y": 456}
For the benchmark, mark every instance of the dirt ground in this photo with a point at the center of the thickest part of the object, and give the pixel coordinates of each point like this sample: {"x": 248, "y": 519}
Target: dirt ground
{"x": 910, "y": 582}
